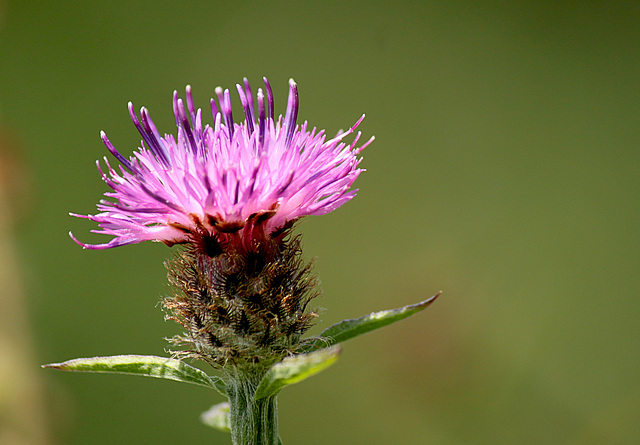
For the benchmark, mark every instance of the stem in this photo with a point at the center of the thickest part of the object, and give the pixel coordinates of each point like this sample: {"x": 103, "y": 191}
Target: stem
{"x": 253, "y": 422}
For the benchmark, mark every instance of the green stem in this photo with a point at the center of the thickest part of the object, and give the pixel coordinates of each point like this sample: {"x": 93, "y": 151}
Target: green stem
{"x": 253, "y": 422}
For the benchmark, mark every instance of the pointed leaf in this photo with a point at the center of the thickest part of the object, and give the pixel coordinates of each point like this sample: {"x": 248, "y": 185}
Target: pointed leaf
{"x": 217, "y": 417}
{"x": 348, "y": 329}
{"x": 295, "y": 369}
{"x": 143, "y": 365}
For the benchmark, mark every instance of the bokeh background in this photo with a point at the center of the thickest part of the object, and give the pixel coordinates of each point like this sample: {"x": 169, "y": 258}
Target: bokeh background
{"x": 504, "y": 172}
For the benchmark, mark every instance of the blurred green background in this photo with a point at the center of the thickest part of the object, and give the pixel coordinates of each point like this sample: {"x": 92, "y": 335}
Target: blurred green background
{"x": 504, "y": 172}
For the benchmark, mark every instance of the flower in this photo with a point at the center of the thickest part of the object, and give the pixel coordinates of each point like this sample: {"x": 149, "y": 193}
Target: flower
{"x": 226, "y": 181}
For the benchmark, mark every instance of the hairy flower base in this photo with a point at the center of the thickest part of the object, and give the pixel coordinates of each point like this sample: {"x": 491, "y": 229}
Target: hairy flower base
{"x": 243, "y": 306}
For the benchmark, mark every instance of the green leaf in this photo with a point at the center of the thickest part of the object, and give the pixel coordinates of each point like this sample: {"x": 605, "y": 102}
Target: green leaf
{"x": 295, "y": 369}
{"x": 143, "y": 365}
{"x": 217, "y": 417}
{"x": 348, "y": 329}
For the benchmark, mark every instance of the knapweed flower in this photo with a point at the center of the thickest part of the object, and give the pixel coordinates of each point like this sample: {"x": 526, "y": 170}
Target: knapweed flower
{"x": 230, "y": 193}
{"x": 227, "y": 181}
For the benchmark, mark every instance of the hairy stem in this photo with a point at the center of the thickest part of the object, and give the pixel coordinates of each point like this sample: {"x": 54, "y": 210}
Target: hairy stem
{"x": 253, "y": 422}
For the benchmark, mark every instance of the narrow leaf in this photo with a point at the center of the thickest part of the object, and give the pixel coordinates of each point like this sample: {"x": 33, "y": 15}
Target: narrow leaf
{"x": 143, "y": 365}
{"x": 295, "y": 369}
{"x": 217, "y": 417}
{"x": 348, "y": 329}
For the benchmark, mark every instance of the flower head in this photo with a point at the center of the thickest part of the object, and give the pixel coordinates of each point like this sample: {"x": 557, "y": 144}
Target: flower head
{"x": 226, "y": 181}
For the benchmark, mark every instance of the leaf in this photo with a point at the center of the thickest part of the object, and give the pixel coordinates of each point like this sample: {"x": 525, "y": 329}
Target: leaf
{"x": 350, "y": 328}
{"x": 217, "y": 417}
{"x": 295, "y": 369}
{"x": 143, "y": 365}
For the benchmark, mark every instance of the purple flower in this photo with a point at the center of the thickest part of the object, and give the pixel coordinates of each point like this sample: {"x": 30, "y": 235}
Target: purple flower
{"x": 228, "y": 182}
